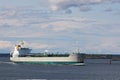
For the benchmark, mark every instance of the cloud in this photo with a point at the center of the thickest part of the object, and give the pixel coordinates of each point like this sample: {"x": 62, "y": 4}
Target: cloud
{"x": 60, "y": 31}
{"x": 21, "y": 22}
{"x": 110, "y": 45}
{"x": 68, "y": 11}
{"x": 65, "y": 4}
{"x": 9, "y": 45}
{"x": 108, "y": 10}
{"x": 10, "y": 22}
{"x": 5, "y": 44}
{"x": 39, "y": 26}
{"x": 63, "y": 25}
{"x": 85, "y": 8}
{"x": 21, "y": 27}
{"x": 36, "y": 45}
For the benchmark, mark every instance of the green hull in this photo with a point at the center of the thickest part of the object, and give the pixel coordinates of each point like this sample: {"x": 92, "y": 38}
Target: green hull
{"x": 54, "y": 63}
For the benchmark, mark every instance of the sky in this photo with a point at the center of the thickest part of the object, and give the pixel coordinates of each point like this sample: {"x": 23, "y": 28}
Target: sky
{"x": 90, "y": 26}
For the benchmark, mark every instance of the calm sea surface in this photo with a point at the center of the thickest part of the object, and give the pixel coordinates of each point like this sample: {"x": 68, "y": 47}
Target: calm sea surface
{"x": 95, "y": 69}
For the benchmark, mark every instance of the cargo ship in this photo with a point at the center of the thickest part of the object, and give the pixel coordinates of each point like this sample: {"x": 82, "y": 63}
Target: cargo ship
{"x": 22, "y": 55}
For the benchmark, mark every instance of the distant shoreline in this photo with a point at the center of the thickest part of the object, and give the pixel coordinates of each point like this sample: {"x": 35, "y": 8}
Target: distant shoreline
{"x": 86, "y": 56}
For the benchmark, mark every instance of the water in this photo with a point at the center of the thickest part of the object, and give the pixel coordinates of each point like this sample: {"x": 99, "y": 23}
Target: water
{"x": 95, "y": 69}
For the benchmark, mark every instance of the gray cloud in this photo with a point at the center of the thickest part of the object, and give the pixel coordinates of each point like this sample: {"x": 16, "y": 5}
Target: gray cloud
{"x": 108, "y": 10}
{"x": 50, "y": 23}
{"x": 60, "y": 29}
{"x": 82, "y": 4}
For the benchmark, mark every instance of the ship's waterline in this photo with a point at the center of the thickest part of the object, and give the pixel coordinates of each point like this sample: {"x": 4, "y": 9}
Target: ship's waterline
{"x": 52, "y": 63}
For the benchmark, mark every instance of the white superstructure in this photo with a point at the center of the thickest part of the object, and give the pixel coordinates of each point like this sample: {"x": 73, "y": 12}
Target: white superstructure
{"x": 19, "y": 50}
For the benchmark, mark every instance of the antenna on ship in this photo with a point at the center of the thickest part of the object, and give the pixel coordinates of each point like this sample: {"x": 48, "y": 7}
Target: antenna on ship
{"x": 22, "y": 43}
{"x": 77, "y": 46}
{"x": 78, "y": 50}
